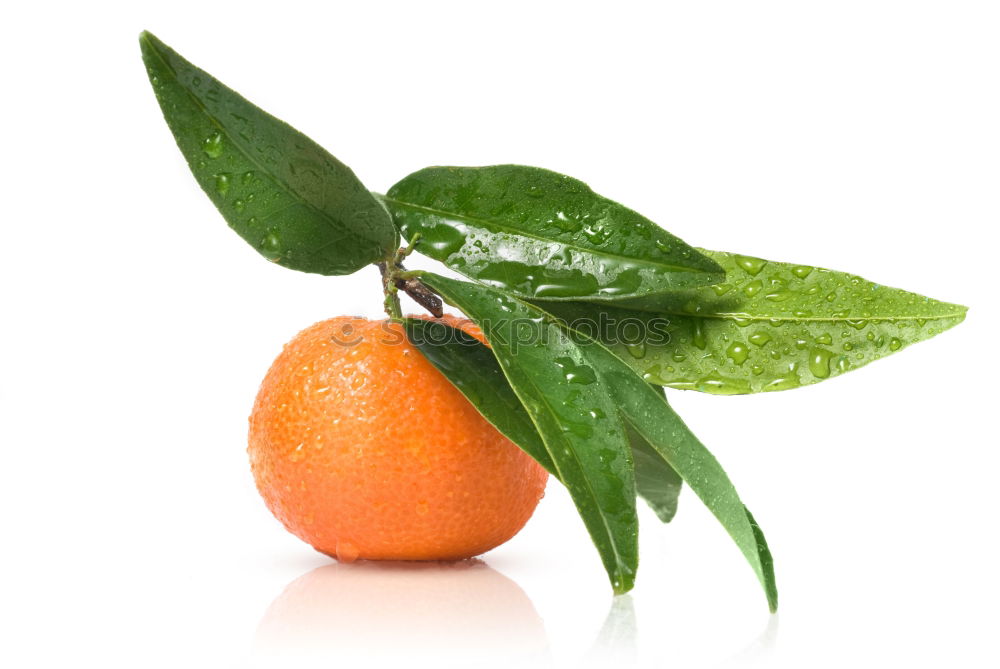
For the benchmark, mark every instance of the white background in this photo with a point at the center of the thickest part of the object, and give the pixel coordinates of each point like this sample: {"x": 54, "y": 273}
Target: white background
{"x": 855, "y": 135}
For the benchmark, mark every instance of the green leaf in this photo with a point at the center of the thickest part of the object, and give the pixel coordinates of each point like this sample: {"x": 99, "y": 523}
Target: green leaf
{"x": 574, "y": 391}
{"x": 541, "y": 235}
{"x": 285, "y": 195}
{"x": 770, "y": 326}
{"x": 646, "y": 410}
{"x": 473, "y": 369}
{"x": 655, "y": 480}
{"x": 576, "y": 419}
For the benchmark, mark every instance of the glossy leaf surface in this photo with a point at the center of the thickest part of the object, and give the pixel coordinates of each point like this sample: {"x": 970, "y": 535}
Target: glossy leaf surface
{"x": 474, "y": 370}
{"x": 655, "y": 480}
{"x": 769, "y": 326}
{"x": 541, "y": 235}
{"x": 572, "y": 412}
{"x": 646, "y": 410}
{"x": 285, "y": 195}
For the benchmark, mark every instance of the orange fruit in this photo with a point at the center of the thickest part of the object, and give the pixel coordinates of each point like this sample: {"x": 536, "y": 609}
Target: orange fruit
{"x": 361, "y": 448}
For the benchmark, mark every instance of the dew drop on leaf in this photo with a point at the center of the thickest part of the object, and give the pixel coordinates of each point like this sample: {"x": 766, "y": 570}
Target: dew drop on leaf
{"x": 753, "y": 288}
{"x": 574, "y": 373}
{"x": 698, "y": 336}
{"x": 271, "y": 242}
{"x": 637, "y": 351}
{"x": 819, "y": 362}
{"x": 721, "y": 385}
{"x": 737, "y": 352}
{"x": 222, "y": 183}
{"x": 213, "y": 145}
{"x": 802, "y": 271}
{"x": 749, "y": 264}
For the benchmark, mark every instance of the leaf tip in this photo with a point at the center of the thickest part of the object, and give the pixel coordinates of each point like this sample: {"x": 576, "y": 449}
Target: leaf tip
{"x": 622, "y": 586}
{"x": 147, "y": 40}
{"x": 150, "y": 45}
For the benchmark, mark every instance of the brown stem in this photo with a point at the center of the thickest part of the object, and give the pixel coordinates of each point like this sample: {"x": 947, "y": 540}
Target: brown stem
{"x": 413, "y": 287}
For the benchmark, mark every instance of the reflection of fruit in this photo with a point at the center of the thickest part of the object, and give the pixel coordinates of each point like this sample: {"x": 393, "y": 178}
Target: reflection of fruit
{"x": 363, "y": 449}
{"x": 402, "y": 614}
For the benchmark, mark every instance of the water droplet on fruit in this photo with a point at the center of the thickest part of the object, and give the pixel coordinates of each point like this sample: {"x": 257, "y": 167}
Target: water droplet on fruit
{"x": 895, "y": 344}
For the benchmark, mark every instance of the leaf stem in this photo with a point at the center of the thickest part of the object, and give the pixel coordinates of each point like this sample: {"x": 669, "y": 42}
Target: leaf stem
{"x": 397, "y": 278}
{"x": 391, "y": 291}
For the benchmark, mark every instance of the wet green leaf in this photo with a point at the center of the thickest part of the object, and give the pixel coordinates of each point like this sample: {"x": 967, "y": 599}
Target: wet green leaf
{"x": 769, "y": 326}
{"x": 541, "y": 234}
{"x": 655, "y": 480}
{"x": 646, "y": 410}
{"x": 576, "y": 392}
{"x": 285, "y": 195}
{"x": 576, "y": 419}
{"x": 474, "y": 370}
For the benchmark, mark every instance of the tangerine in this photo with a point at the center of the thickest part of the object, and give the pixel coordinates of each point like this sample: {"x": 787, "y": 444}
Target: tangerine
{"x": 363, "y": 449}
